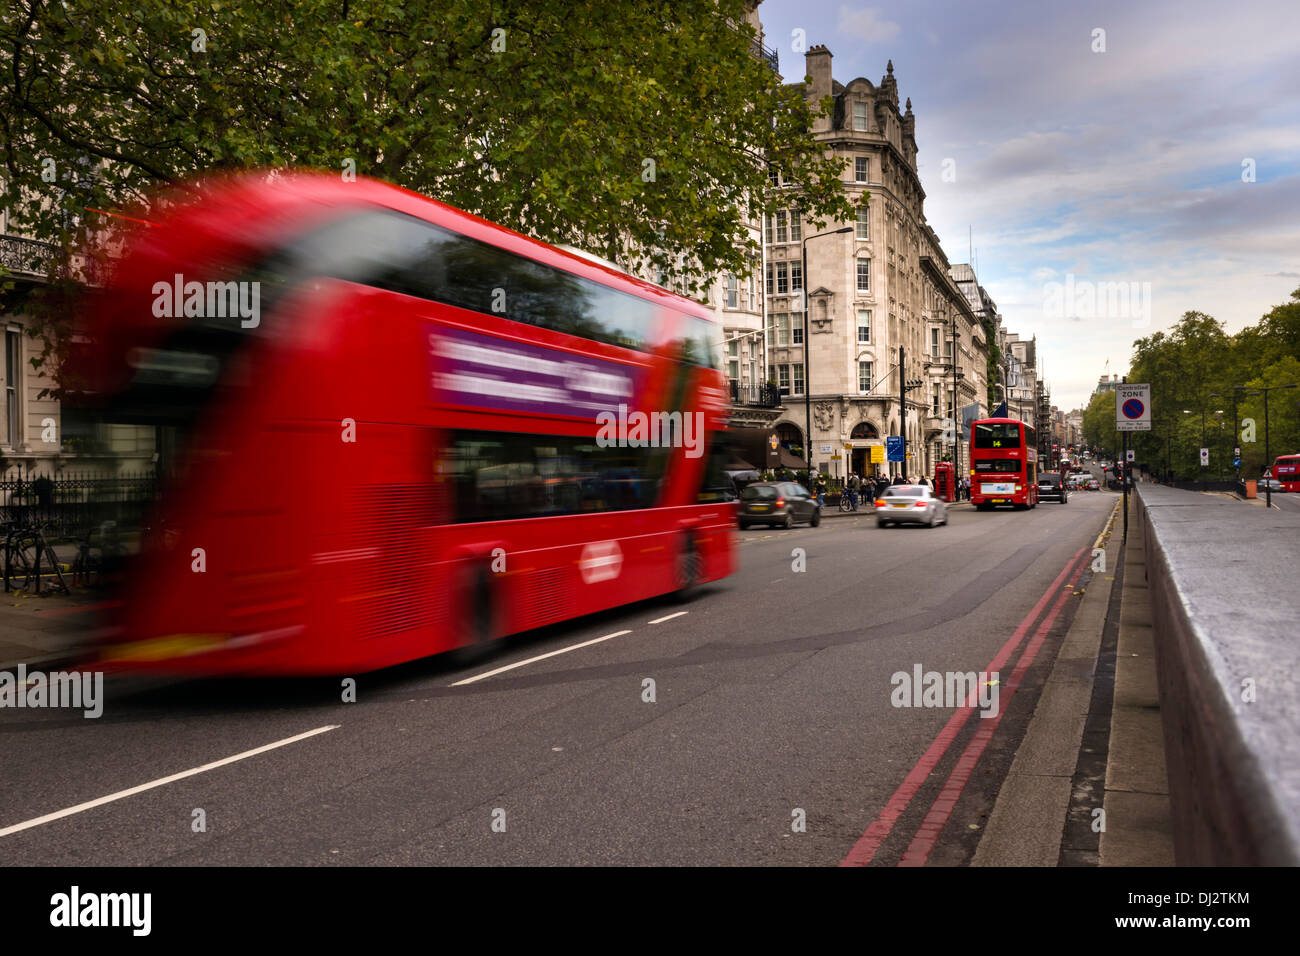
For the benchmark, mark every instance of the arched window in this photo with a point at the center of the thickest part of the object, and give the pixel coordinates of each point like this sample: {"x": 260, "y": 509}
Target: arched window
{"x": 864, "y": 430}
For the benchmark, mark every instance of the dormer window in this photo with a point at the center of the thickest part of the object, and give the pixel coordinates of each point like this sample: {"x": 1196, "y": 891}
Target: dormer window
{"x": 860, "y": 116}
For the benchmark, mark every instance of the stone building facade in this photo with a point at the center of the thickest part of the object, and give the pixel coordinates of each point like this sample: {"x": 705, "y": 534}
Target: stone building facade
{"x": 874, "y": 287}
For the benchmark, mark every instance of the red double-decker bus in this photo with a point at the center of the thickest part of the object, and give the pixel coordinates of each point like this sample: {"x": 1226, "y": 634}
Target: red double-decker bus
{"x": 1286, "y": 470}
{"x": 389, "y": 428}
{"x": 1004, "y": 463}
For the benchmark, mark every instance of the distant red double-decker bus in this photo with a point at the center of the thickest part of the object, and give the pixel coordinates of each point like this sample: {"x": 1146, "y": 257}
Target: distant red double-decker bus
{"x": 389, "y": 428}
{"x": 1004, "y": 463}
{"x": 1287, "y": 472}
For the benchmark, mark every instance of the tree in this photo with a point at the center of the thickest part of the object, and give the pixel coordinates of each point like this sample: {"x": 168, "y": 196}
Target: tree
{"x": 643, "y": 131}
{"x": 1099, "y": 423}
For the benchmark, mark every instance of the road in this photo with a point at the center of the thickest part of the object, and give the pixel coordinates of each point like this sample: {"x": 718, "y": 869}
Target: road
{"x": 771, "y": 702}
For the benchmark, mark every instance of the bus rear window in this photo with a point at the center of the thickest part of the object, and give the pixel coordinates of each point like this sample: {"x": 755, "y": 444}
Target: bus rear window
{"x": 997, "y": 435}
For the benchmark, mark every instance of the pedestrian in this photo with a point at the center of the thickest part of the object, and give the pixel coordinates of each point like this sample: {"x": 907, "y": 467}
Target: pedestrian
{"x": 899, "y": 480}
{"x": 923, "y": 483}
{"x": 821, "y": 490}
{"x": 853, "y": 491}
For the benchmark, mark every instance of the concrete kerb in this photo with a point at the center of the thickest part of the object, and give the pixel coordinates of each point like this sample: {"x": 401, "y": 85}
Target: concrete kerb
{"x": 1026, "y": 825}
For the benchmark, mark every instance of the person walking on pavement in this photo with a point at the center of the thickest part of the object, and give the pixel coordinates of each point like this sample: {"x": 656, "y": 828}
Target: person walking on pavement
{"x": 821, "y": 490}
{"x": 853, "y": 491}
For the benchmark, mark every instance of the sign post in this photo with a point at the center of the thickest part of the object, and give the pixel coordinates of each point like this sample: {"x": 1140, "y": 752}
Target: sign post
{"x": 1132, "y": 414}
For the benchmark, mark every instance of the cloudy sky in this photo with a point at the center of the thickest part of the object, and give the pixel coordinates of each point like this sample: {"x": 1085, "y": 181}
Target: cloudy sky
{"x": 1074, "y": 168}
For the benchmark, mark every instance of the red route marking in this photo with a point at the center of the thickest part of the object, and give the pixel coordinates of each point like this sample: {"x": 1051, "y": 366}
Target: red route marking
{"x": 927, "y": 834}
{"x": 870, "y": 841}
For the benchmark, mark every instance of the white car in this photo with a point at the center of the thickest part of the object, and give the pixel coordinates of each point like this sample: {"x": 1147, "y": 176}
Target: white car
{"x": 910, "y": 504}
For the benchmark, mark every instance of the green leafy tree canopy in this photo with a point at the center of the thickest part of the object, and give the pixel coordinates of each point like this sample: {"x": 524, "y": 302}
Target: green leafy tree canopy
{"x": 643, "y": 131}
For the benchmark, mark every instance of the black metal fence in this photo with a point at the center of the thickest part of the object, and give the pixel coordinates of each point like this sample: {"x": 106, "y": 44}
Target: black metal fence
{"x": 70, "y": 504}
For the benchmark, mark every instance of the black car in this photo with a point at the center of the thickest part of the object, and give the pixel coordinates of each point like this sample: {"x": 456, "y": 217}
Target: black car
{"x": 1052, "y": 486}
{"x": 778, "y": 503}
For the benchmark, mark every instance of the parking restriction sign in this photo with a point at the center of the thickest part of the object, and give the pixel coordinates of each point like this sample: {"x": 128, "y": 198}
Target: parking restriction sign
{"x": 1133, "y": 408}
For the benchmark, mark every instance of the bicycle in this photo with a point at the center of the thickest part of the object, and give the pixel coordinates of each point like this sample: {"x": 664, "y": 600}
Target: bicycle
{"x": 849, "y": 501}
{"x": 25, "y": 548}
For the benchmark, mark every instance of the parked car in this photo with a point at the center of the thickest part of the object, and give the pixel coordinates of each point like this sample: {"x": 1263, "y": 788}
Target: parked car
{"x": 1052, "y": 486}
{"x": 778, "y": 504}
{"x": 910, "y": 504}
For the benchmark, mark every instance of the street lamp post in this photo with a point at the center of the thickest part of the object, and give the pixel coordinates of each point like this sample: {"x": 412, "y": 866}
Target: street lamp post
{"x": 807, "y": 349}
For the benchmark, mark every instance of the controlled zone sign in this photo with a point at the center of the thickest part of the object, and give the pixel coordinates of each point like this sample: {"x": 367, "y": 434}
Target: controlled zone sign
{"x": 1133, "y": 408}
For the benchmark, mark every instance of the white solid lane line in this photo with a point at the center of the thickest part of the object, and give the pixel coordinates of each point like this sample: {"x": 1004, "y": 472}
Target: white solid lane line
{"x": 539, "y": 657}
{"x": 122, "y": 794}
{"x": 660, "y": 620}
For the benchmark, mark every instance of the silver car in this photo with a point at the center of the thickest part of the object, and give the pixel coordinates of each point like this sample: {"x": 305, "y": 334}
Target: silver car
{"x": 910, "y": 504}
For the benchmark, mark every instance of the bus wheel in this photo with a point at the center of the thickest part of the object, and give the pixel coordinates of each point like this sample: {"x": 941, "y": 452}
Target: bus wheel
{"x": 478, "y": 614}
{"x": 688, "y": 570}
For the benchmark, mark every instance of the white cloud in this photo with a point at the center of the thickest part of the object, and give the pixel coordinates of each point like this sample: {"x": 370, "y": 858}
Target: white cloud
{"x": 866, "y": 26}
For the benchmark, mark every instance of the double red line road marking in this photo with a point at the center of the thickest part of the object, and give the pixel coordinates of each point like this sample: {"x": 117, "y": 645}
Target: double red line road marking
{"x": 923, "y": 842}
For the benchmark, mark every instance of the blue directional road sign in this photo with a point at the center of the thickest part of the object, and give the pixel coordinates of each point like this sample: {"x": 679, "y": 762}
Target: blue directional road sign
{"x": 894, "y": 447}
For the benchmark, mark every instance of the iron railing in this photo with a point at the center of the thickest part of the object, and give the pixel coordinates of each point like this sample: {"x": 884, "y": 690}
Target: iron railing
{"x": 69, "y": 505}
{"x": 758, "y": 396}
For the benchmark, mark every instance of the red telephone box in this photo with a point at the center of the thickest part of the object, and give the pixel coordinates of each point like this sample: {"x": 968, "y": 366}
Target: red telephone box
{"x": 945, "y": 485}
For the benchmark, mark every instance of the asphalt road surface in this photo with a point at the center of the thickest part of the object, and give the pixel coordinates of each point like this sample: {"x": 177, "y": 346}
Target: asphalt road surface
{"x": 769, "y": 738}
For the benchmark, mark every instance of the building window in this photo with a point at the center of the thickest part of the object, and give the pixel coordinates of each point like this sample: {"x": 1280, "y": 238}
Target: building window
{"x": 864, "y": 326}
{"x": 864, "y": 223}
{"x": 782, "y": 233}
{"x": 864, "y": 378}
{"x": 771, "y": 269}
{"x": 13, "y": 376}
{"x": 795, "y": 228}
{"x": 796, "y": 277}
{"x": 860, "y": 169}
{"x": 934, "y": 343}
{"x": 864, "y": 275}
{"x": 797, "y": 370}
{"x": 783, "y": 379}
{"x": 767, "y": 229}
{"x": 781, "y": 322}
{"x": 937, "y": 404}
{"x": 774, "y": 175}
{"x": 860, "y": 115}
{"x": 782, "y": 281}
{"x": 796, "y": 328}
{"x": 733, "y": 291}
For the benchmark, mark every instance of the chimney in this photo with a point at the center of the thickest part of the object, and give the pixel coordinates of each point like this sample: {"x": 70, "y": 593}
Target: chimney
{"x": 818, "y": 66}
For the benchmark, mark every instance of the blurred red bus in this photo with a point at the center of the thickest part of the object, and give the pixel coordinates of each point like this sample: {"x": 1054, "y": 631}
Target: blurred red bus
{"x": 1004, "y": 463}
{"x": 386, "y": 442}
{"x": 1286, "y": 470}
